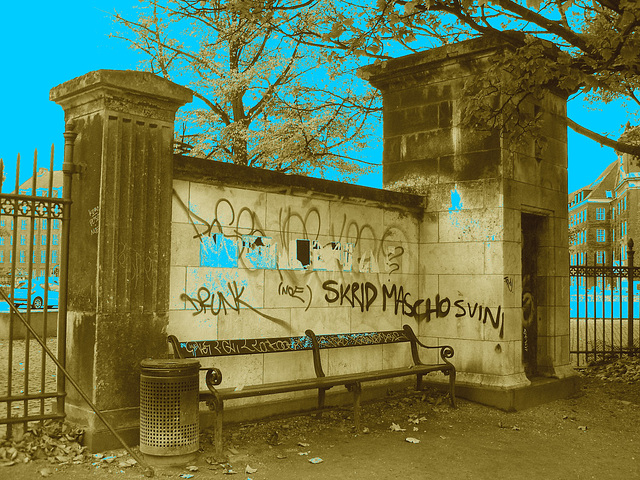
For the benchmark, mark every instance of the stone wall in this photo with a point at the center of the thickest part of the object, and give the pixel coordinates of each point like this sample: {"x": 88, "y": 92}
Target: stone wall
{"x": 259, "y": 254}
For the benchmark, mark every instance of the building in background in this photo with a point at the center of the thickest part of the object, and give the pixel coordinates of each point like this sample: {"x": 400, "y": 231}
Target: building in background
{"x": 605, "y": 214}
{"x": 40, "y": 240}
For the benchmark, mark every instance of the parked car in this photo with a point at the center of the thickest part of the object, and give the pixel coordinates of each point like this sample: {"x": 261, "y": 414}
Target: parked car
{"x": 21, "y": 293}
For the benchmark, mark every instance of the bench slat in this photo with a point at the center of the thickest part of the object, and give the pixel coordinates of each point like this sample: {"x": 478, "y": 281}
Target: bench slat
{"x": 219, "y": 348}
{"x": 323, "y": 382}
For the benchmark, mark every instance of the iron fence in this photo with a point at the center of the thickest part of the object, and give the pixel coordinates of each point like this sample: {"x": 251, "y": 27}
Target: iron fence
{"x": 604, "y": 310}
{"x": 33, "y": 250}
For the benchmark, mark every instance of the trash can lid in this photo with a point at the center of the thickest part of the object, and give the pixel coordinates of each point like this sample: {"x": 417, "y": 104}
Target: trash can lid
{"x": 169, "y": 363}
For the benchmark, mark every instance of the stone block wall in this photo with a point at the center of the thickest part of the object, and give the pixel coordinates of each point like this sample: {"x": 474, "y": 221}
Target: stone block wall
{"x": 484, "y": 195}
{"x": 252, "y": 261}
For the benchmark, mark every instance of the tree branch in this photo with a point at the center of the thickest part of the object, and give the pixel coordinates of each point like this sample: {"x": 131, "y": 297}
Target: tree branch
{"x": 601, "y": 139}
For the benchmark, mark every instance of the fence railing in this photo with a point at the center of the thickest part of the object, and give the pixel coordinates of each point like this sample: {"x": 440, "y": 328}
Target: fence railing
{"x": 33, "y": 251}
{"x": 604, "y": 310}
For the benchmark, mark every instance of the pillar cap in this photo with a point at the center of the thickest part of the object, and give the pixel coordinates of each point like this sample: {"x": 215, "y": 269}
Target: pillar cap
{"x": 129, "y": 81}
{"x": 380, "y": 74}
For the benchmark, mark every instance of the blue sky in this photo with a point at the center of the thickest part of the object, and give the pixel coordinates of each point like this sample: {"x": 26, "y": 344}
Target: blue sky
{"x": 47, "y": 43}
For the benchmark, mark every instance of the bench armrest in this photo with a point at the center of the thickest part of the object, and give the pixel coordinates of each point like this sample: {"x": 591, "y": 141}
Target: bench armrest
{"x": 446, "y": 351}
{"x": 213, "y": 377}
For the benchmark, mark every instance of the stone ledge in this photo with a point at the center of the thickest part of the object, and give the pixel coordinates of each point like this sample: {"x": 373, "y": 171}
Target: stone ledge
{"x": 540, "y": 391}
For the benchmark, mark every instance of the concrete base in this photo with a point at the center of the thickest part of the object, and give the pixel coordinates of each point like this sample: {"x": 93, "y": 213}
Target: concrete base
{"x": 171, "y": 460}
{"x": 97, "y": 438}
{"x": 541, "y": 390}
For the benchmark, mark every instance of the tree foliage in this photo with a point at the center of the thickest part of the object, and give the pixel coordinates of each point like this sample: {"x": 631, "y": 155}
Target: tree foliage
{"x": 256, "y": 65}
{"x": 267, "y": 96}
{"x": 582, "y": 47}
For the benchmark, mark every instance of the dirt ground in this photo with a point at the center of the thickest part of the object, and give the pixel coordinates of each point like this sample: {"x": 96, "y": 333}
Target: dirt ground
{"x": 595, "y": 435}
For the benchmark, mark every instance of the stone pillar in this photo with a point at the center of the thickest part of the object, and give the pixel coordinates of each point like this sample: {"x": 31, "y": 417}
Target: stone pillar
{"x": 120, "y": 240}
{"x": 495, "y": 227}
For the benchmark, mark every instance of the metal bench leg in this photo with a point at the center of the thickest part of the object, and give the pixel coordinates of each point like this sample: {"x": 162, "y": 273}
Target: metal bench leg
{"x": 419, "y": 382}
{"x": 217, "y": 435}
{"x": 452, "y": 388}
{"x": 356, "y": 389}
{"x": 321, "y": 397}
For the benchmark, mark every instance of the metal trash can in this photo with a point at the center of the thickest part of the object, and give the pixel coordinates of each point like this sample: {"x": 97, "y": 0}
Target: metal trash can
{"x": 169, "y": 420}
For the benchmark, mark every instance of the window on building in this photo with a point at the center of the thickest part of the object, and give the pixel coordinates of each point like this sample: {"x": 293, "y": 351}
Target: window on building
{"x": 55, "y": 239}
{"x": 22, "y": 256}
{"x": 600, "y": 214}
{"x": 1, "y": 240}
{"x": 1, "y": 256}
{"x": 35, "y": 224}
{"x": 23, "y": 225}
{"x": 1, "y": 223}
{"x": 625, "y": 203}
{"x": 43, "y": 239}
{"x": 44, "y": 223}
{"x": 609, "y": 194}
{"x": 600, "y": 235}
{"x": 56, "y": 224}
{"x": 23, "y": 239}
{"x": 613, "y": 235}
{"x": 33, "y": 258}
{"x": 43, "y": 256}
{"x": 600, "y": 257}
{"x": 35, "y": 238}
{"x": 54, "y": 257}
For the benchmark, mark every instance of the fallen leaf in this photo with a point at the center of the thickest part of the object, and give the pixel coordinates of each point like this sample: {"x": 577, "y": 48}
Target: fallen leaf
{"x": 192, "y": 468}
{"x": 250, "y": 470}
{"x": 411, "y": 440}
{"x": 315, "y": 460}
{"x": 396, "y": 428}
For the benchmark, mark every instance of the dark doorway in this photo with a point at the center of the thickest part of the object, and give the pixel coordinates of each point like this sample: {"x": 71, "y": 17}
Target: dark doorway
{"x": 531, "y": 228}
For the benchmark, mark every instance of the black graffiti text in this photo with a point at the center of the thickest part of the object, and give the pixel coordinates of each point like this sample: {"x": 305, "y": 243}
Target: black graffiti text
{"x": 354, "y": 294}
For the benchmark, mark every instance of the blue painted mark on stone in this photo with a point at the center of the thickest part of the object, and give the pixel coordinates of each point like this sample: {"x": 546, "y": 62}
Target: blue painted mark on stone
{"x": 218, "y": 251}
{"x": 259, "y": 252}
{"x": 456, "y": 201}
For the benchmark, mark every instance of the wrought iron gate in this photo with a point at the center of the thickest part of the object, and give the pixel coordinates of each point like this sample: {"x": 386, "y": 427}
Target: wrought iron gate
{"x": 605, "y": 310}
{"x": 34, "y": 222}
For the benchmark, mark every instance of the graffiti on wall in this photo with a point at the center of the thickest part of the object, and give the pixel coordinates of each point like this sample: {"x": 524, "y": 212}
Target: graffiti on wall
{"x": 235, "y": 238}
{"x": 363, "y": 295}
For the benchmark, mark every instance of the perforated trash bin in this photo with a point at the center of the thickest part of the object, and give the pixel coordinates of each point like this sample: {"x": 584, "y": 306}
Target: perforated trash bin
{"x": 169, "y": 420}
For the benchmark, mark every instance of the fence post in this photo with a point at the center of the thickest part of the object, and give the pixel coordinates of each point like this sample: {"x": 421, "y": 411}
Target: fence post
{"x": 119, "y": 239}
{"x": 630, "y": 254}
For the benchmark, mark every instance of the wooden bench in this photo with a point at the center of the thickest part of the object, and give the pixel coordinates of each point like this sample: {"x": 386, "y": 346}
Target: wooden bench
{"x": 215, "y": 397}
